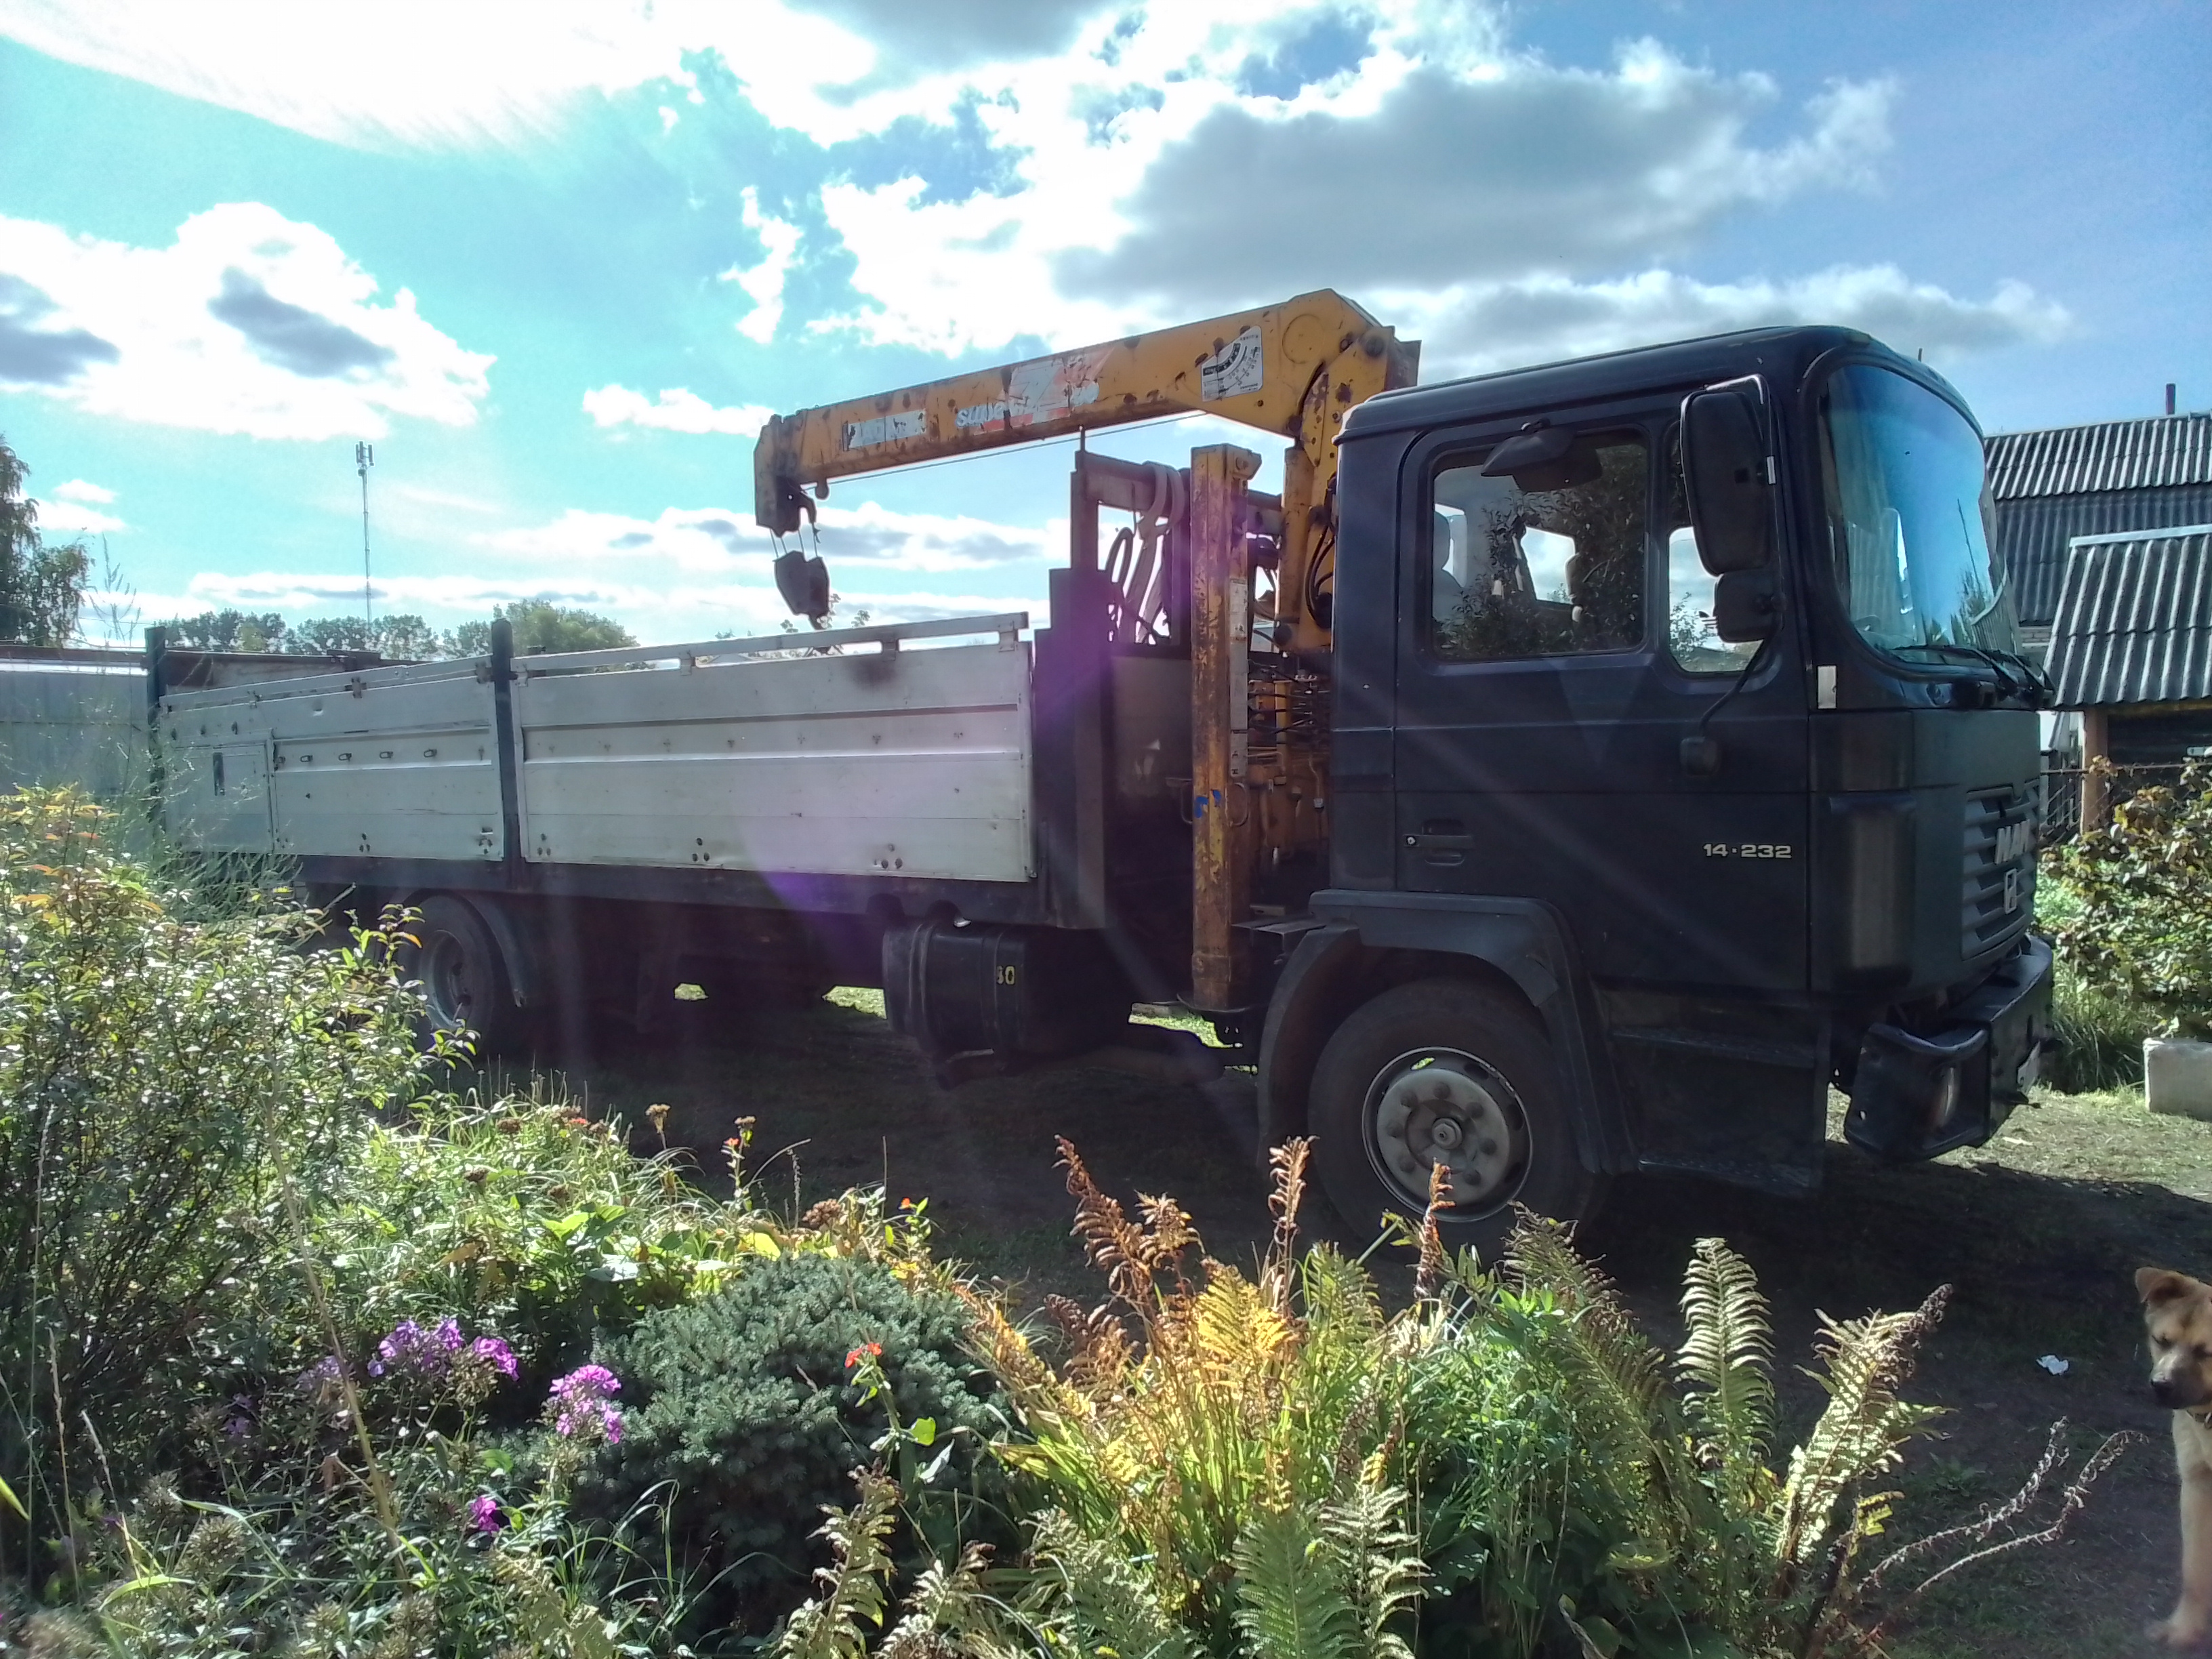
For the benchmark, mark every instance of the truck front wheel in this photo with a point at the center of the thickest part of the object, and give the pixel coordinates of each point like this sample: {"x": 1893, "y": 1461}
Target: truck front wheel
{"x": 1446, "y": 1072}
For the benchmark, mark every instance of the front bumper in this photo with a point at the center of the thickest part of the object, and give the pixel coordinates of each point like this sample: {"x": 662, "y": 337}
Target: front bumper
{"x": 1917, "y": 1096}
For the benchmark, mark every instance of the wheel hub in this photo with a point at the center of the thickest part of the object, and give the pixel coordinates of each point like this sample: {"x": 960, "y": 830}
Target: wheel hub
{"x": 1440, "y": 1107}
{"x": 447, "y": 982}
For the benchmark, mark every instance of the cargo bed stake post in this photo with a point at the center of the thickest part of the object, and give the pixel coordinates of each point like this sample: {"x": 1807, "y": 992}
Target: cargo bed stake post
{"x": 1220, "y": 870}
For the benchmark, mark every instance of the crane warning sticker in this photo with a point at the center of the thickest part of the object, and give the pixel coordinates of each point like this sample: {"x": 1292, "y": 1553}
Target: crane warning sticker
{"x": 1232, "y": 371}
{"x": 886, "y": 428}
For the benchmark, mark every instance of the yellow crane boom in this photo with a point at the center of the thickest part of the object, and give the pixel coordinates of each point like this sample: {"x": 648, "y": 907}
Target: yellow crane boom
{"x": 1295, "y": 369}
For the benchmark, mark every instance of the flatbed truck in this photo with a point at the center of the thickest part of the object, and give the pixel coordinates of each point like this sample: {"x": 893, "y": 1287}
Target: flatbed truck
{"x": 1570, "y": 771}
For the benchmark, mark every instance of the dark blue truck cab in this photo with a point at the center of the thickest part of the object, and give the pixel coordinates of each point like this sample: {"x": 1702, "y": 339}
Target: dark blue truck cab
{"x": 1684, "y": 766}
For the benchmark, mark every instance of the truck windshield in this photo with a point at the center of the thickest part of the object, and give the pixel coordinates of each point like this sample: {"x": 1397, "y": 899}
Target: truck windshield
{"x": 1909, "y": 517}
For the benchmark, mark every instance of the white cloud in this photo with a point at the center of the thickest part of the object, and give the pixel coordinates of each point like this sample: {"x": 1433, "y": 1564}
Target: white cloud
{"x": 248, "y": 322}
{"x": 713, "y": 540}
{"x": 1474, "y": 328}
{"x": 443, "y": 499}
{"x": 1437, "y": 175}
{"x": 1438, "y": 158}
{"x": 416, "y": 72}
{"x": 74, "y": 509}
{"x": 431, "y": 74}
{"x": 764, "y": 283}
{"x": 677, "y": 409}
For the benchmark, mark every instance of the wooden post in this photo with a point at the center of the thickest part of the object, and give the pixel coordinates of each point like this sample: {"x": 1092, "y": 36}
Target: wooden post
{"x": 1221, "y": 804}
{"x": 2096, "y": 759}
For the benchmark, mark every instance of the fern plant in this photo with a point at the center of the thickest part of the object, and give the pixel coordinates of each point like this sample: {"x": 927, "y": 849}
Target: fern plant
{"x": 1272, "y": 1467}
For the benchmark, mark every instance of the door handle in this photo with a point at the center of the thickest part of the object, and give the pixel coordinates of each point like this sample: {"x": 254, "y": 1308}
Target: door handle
{"x": 1443, "y": 842}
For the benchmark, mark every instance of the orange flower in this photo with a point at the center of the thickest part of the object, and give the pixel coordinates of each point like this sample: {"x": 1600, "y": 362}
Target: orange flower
{"x": 867, "y": 1350}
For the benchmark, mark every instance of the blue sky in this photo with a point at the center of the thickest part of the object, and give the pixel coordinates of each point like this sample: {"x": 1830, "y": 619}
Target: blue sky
{"x": 557, "y": 260}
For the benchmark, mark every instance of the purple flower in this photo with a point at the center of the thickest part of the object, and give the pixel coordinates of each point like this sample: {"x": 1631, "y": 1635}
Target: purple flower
{"x": 411, "y": 1348}
{"x": 493, "y": 1351}
{"x": 584, "y": 1403}
{"x": 586, "y": 1383}
{"x": 323, "y": 1375}
{"x": 483, "y": 1514}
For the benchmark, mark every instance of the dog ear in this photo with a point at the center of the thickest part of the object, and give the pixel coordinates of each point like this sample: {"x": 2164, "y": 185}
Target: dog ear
{"x": 2157, "y": 1285}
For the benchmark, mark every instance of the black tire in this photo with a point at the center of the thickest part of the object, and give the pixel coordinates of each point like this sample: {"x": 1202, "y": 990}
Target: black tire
{"x": 466, "y": 990}
{"x": 1490, "y": 1107}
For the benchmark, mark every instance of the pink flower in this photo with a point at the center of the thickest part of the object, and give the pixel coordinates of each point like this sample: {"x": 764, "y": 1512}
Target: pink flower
{"x": 484, "y": 1515}
{"x": 493, "y": 1351}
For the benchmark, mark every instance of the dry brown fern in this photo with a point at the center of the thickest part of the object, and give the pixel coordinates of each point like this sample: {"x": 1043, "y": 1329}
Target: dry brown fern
{"x": 1098, "y": 1346}
{"x": 1287, "y": 1191}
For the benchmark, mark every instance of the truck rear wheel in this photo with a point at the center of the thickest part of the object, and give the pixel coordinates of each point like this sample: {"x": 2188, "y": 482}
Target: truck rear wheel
{"x": 465, "y": 987}
{"x": 1446, "y": 1071}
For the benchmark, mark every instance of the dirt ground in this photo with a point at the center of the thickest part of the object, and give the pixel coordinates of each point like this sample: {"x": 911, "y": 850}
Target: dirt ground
{"x": 2039, "y": 1233}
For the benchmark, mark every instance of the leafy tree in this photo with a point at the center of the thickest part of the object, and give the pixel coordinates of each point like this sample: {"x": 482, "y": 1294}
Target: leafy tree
{"x": 540, "y": 626}
{"x": 401, "y": 636}
{"x": 229, "y": 630}
{"x": 41, "y": 587}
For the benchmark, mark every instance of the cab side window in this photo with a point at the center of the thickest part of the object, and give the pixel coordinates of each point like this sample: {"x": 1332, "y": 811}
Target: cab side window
{"x": 1548, "y": 562}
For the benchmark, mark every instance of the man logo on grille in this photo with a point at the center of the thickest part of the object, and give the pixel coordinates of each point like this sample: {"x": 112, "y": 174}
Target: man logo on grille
{"x": 2012, "y": 843}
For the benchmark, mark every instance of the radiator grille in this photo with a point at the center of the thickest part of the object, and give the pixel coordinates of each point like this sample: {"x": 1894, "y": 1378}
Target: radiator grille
{"x": 1999, "y": 891}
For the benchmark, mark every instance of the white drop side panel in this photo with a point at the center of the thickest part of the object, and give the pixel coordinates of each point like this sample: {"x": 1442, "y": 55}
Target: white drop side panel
{"x": 217, "y": 793}
{"x": 902, "y": 762}
{"x": 390, "y": 762}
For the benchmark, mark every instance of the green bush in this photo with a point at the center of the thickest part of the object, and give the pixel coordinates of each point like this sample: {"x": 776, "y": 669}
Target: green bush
{"x": 2100, "y": 1034}
{"x": 743, "y": 1418}
{"x": 2130, "y": 919}
{"x": 520, "y": 1217}
{"x": 172, "y": 1095}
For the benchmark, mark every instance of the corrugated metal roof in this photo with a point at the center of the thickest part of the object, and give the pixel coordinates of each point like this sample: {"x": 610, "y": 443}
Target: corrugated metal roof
{"x": 2068, "y": 460}
{"x": 2135, "y": 622}
{"x": 2032, "y": 535}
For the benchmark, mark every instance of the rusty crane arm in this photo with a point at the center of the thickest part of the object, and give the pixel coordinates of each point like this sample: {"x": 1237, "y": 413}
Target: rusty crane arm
{"x": 1295, "y": 369}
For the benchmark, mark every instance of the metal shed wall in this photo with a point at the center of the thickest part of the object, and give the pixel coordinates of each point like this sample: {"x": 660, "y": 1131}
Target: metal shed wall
{"x": 85, "y": 726}
{"x": 2134, "y": 621}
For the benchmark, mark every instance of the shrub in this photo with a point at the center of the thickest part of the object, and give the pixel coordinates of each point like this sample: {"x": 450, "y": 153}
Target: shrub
{"x": 2141, "y": 888}
{"x": 163, "y": 1085}
{"x": 522, "y": 1217}
{"x": 743, "y": 1418}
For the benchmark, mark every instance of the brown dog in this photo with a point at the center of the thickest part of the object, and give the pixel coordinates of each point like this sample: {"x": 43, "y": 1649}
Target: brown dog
{"x": 2179, "y": 1311}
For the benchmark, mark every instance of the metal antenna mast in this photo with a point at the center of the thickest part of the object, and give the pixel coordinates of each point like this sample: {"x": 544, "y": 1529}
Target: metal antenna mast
{"x": 364, "y": 457}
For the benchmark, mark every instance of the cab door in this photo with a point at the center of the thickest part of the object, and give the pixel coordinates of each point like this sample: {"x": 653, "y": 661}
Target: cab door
{"x": 1555, "y": 652}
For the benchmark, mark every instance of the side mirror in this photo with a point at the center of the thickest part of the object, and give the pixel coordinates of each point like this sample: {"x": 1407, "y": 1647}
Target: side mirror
{"x": 1725, "y": 473}
{"x": 1747, "y": 606}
